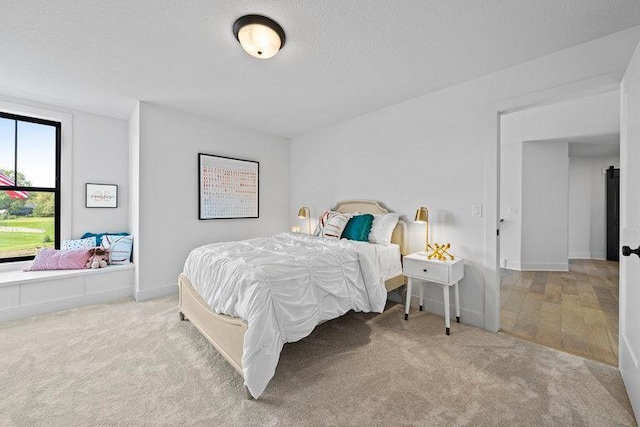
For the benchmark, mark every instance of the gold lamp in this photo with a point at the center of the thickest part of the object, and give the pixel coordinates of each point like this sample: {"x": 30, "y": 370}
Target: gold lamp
{"x": 422, "y": 217}
{"x": 305, "y": 212}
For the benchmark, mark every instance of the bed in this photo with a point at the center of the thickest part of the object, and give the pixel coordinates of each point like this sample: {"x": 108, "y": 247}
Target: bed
{"x": 364, "y": 280}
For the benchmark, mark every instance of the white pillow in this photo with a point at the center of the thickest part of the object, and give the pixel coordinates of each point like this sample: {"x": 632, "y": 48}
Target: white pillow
{"x": 87, "y": 243}
{"x": 382, "y": 228}
{"x": 119, "y": 247}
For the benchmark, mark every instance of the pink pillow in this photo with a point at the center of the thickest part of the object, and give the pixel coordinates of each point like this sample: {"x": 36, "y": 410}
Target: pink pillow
{"x": 54, "y": 259}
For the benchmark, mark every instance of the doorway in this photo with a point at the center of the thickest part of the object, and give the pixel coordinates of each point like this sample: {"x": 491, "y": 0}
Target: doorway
{"x": 613, "y": 214}
{"x": 557, "y": 286}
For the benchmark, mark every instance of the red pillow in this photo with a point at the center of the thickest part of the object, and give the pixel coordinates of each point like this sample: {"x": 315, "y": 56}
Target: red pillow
{"x": 54, "y": 259}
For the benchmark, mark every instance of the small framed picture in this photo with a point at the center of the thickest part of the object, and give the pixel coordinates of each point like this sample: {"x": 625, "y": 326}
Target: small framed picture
{"x": 101, "y": 196}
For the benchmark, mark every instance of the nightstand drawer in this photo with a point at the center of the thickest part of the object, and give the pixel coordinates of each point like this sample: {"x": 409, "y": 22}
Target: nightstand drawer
{"x": 426, "y": 270}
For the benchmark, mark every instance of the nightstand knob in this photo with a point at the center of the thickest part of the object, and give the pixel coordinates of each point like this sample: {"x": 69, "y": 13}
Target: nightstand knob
{"x": 424, "y": 269}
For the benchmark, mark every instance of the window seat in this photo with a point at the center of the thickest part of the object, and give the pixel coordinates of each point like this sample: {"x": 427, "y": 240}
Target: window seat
{"x": 31, "y": 293}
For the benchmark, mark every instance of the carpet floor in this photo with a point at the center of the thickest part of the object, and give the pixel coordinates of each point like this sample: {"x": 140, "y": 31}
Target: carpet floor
{"x": 136, "y": 364}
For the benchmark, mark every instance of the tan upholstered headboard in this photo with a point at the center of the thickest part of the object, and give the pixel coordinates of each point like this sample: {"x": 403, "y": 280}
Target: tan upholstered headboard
{"x": 399, "y": 235}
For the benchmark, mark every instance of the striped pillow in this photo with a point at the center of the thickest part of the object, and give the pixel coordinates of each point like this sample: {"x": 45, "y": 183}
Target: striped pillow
{"x": 335, "y": 224}
{"x": 119, "y": 247}
{"x": 322, "y": 221}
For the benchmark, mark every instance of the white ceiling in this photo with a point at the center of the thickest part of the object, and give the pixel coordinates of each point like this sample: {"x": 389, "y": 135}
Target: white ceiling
{"x": 589, "y": 145}
{"x": 595, "y": 145}
{"x": 342, "y": 58}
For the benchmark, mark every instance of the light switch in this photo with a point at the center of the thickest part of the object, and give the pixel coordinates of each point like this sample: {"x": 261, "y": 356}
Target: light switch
{"x": 476, "y": 211}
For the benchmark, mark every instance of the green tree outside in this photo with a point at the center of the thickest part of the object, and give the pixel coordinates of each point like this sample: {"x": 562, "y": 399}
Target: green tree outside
{"x": 44, "y": 204}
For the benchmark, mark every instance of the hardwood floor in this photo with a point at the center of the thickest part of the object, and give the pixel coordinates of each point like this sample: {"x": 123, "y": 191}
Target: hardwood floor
{"x": 574, "y": 311}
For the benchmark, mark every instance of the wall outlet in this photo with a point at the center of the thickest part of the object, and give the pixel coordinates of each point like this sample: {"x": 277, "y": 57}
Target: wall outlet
{"x": 476, "y": 211}
{"x": 513, "y": 211}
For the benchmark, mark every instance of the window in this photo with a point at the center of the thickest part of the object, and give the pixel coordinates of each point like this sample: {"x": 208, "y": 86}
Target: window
{"x": 29, "y": 186}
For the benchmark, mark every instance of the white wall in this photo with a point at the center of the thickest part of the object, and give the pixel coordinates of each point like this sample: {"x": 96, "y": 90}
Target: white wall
{"x": 166, "y": 176}
{"x": 511, "y": 204}
{"x": 587, "y": 206}
{"x": 545, "y": 206}
{"x": 410, "y": 155}
{"x": 580, "y": 207}
{"x": 134, "y": 186}
{"x": 100, "y": 155}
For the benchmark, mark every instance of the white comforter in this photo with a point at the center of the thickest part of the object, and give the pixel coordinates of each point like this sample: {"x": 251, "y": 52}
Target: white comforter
{"x": 284, "y": 286}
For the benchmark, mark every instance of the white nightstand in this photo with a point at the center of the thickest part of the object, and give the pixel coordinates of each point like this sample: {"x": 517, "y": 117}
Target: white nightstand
{"x": 430, "y": 271}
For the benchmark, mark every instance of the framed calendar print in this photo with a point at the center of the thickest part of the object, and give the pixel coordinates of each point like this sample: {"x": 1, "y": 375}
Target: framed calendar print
{"x": 228, "y": 187}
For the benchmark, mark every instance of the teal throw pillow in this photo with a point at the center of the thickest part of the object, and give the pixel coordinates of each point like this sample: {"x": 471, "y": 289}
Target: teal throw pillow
{"x": 358, "y": 228}
{"x": 99, "y": 236}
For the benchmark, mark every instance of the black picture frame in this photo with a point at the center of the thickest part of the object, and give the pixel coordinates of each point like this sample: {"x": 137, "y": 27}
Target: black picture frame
{"x": 228, "y": 187}
{"x": 100, "y": 195}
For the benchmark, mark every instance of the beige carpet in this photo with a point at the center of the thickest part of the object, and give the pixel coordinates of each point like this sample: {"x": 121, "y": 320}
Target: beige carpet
{"x": 135, "y": 364}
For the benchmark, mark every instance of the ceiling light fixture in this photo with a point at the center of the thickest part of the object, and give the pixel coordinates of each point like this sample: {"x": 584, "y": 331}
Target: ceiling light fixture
{"x": 259, "y": 36}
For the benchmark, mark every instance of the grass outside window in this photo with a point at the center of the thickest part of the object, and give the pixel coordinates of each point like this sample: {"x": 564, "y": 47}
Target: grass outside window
{"x": 24, "y": 236}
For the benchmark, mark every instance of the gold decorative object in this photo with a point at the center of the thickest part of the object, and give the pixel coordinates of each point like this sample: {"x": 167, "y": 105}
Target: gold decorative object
{"x": 440, "y": 252}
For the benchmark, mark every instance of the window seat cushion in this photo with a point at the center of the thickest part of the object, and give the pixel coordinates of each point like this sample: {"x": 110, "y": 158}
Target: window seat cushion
{"x": 14, "y": 277}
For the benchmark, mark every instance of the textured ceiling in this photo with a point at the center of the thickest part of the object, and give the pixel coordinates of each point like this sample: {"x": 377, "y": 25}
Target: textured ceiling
{"x": 342, "y": 58}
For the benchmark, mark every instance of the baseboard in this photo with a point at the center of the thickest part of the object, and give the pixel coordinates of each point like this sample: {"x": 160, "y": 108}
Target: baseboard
{"x": 158, "y": 292}
{"x": 467, "y": 317}
{"x": 13, "y": 313}
{"x": 587, "y": 255}
{"x": 512, "y": 265}
{"x": 579, "y": 255}
{"x": 563, "y": 266}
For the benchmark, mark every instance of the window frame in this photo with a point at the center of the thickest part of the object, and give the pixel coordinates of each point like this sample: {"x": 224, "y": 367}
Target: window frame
{"x": 56, "y": 190}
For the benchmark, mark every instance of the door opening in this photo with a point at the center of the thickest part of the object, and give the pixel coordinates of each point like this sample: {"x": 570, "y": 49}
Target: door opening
{"x": 558, "y": 216}
{"x": 613, "y": 213}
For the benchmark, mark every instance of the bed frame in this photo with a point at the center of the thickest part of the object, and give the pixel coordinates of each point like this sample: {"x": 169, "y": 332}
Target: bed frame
{"x": 227, "y": 333}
